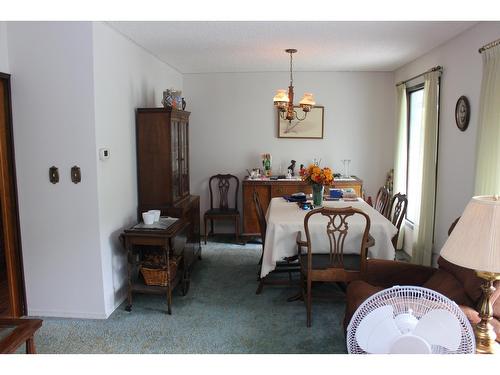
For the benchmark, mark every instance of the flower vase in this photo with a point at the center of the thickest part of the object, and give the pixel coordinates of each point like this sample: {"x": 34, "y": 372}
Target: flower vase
{"x": 317, "y": 193}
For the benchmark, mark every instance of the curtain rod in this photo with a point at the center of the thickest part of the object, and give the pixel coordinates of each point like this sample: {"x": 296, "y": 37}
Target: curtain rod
{"x": 435, "y": 69}
{"x": 489, "y": 45}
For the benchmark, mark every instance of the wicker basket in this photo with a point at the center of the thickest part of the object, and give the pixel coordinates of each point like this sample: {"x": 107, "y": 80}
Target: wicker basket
{"x": 157, "y": 275}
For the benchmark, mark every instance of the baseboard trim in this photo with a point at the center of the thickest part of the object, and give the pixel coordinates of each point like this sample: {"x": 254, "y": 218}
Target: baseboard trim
{"x": 66, "y": 314}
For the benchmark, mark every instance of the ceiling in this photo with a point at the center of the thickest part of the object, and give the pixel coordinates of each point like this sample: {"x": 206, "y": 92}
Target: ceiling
{"x": 214, "y": 47}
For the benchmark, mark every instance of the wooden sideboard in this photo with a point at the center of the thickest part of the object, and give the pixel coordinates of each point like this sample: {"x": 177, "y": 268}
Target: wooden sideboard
{"x": 268, "y": 189}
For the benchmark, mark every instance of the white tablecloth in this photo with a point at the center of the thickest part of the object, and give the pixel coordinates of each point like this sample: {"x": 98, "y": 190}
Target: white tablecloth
{"x": 285, "y": 219}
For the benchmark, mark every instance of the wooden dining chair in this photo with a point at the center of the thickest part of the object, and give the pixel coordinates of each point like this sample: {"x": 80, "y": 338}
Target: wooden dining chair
{"x": 396, "y": 214}
{"x": 334, "y": 266}
{"x": 382, "y": 201}
{"x": 224, "y": 184}
{"x": 288, "y": 265}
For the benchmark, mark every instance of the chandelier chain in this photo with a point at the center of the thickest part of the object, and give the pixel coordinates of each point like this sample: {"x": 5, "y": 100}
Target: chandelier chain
{"x": 291, "y": 69}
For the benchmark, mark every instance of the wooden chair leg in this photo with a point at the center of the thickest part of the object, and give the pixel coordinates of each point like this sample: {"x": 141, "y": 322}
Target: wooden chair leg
{"x": 206, "y": 233}
{"x": 30, "y": 346}
{"x": 309, "y": 302}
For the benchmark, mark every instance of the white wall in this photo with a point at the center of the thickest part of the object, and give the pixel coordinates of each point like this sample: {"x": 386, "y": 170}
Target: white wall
{"x": 4, "y": 56}
{"x": 233, "y": 121}
{"x": 457, "y": 150}
{"x": 125, "y": 77}
{"x": 53, "y": 110}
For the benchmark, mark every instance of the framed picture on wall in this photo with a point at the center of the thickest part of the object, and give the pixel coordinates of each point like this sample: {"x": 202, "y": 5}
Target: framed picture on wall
{"x": 309, "y": 128}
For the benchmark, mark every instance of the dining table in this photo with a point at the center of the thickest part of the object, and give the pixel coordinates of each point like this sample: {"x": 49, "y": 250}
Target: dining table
{"x": 285, "y": 219}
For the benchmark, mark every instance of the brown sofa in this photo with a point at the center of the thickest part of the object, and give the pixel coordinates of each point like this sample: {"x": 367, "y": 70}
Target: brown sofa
{"x": 457, "y": 283}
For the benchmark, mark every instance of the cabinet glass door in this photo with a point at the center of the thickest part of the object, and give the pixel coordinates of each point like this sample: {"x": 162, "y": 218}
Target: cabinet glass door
{"x": 175, "y": 160}
{"x": 184, "y": 158}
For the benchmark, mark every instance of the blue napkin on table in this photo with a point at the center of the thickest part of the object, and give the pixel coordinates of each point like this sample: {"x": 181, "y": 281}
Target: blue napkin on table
{"x": 296, "y": 198}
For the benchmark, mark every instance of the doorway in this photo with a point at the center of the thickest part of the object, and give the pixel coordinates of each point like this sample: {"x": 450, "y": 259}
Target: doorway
{"x": 11, "y": 277}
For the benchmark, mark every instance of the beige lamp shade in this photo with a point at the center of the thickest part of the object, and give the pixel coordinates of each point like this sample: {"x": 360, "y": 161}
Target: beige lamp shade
{"x": 475, "y": 241}
{"x": 281, "y": 97}
{"x": 307, "y": 99}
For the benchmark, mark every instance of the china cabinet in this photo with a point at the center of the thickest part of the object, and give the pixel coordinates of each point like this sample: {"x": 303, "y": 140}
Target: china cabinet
{"x": 162, "y": 137}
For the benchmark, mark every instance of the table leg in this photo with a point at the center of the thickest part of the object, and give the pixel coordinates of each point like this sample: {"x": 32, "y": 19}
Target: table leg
{"x": 169, "y": 299}
{"x": 129, "y": 289}
{"x": 30, "y": 346}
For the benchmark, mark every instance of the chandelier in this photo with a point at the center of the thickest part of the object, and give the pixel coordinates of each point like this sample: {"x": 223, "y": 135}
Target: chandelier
{"x": 284, "y": 101}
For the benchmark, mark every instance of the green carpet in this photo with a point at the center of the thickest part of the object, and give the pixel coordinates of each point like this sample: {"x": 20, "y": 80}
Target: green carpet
{"x": 220, "y": 314}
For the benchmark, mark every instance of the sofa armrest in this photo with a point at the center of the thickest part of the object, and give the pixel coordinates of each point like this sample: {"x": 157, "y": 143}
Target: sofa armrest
{"x": 387, "y": 273}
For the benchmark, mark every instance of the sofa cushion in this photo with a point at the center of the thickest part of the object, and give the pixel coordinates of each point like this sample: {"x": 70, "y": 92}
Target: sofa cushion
{"x": 472, "y": 284}
{"x": 467, "y": 277}
{"x": 356, "y": 293}
{"x": 443, "y": 282}
{"x": 387, "y": 273}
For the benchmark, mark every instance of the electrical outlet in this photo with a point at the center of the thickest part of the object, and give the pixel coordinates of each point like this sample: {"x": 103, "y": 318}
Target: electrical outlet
{"x": 104, "y": 154}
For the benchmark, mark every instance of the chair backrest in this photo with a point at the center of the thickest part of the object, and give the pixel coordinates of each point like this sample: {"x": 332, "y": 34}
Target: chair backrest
{"x": 261, "y": 218}
{"x": 336, "y": 229}
{"x": 382, "y": 200}
{"x": 223, "y": 184}
{"x": 396, "y": 213}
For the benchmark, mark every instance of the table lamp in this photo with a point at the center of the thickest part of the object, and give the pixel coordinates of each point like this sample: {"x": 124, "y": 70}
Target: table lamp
{"x": 475, "y": 244}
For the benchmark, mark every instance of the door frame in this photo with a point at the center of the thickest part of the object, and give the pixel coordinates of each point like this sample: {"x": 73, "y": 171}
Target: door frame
{"x": 9, "y": 212}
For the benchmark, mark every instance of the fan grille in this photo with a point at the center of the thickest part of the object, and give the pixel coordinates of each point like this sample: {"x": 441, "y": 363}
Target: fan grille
{"x": 420, "y": 301}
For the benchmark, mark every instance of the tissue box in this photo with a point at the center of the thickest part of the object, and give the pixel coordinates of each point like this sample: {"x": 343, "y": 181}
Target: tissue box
{"x": 335, "y": 193}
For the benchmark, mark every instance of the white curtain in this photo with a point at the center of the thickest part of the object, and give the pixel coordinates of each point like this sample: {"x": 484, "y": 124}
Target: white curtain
{"x": 423, "y": 232}
{"x": 488, "y": 136}
{"x": 401, "y": 148}
{"x": 401, "y": 140}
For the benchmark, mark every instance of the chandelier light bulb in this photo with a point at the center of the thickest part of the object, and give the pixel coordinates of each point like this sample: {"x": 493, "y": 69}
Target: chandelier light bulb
{"x": 283, "y": 100}
{"x": 307, "y": 102}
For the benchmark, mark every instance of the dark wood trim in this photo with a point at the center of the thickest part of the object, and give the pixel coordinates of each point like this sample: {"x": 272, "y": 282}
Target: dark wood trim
{"x": 9, "y": 205}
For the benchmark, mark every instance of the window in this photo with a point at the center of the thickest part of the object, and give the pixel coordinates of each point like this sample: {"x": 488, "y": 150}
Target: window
{"x": 414, "y": 175}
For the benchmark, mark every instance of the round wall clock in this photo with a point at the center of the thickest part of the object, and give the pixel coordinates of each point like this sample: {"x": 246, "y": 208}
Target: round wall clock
{"x": 462, "y": 113}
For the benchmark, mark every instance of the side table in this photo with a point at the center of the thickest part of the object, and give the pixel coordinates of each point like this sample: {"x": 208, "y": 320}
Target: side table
{"x": 15, "y": 332}
{"x": 172, "y": 242}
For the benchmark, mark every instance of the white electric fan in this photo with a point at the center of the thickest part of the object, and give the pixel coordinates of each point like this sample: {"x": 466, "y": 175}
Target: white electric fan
{"x": 409, "y": 320}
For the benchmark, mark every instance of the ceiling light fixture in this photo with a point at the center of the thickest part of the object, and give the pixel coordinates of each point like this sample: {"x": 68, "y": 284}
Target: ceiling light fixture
{"x": 284, "y": 101}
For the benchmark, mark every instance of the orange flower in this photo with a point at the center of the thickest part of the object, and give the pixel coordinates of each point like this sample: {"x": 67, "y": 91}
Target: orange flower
{"x": 316, "y": 175}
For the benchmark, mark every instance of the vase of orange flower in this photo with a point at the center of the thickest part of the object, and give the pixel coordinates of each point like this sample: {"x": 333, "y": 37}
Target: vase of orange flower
{"x": 319, "y": 178}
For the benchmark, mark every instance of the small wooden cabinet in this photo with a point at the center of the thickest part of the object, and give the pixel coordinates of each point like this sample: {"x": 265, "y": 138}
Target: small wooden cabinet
{"x": 268, "y": 189}
{"x": 172, "y": 242}
{"x": 162, "y": 137}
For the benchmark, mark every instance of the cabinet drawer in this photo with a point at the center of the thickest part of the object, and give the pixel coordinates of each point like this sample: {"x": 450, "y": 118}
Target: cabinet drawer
{"x": 280, "y": 190}
{"x": 349, "y": 185}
